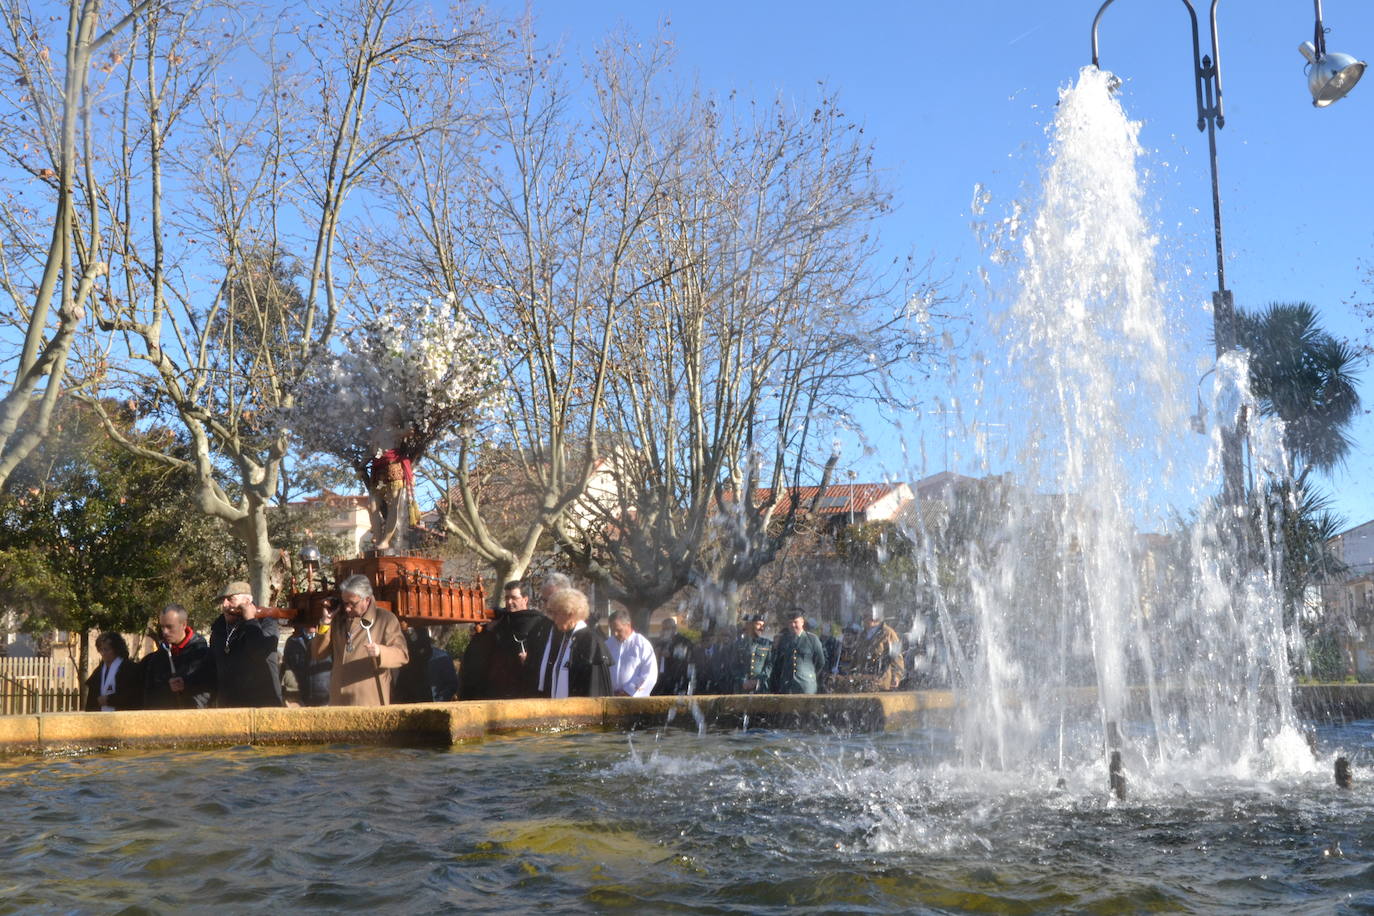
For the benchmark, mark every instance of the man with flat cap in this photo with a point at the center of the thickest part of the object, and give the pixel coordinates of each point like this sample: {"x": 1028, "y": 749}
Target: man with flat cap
{"x": 243, "y": 645}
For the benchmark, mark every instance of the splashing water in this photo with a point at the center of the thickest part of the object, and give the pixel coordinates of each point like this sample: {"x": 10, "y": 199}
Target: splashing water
{"x": 1072, "y": 631}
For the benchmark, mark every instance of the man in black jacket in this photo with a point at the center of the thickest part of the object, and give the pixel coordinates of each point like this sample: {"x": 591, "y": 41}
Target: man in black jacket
{"x": 309, "y": 677}
{"x": 678, "y": 662}
{"x": 243, "y": 645}
{"x": 502, "y": 661}
{"x": 574, "y": 662}
{"x": 180, "y": 674}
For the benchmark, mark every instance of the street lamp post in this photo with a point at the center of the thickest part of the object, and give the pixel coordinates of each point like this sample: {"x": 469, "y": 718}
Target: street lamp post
{"x": 1330, "y": 76}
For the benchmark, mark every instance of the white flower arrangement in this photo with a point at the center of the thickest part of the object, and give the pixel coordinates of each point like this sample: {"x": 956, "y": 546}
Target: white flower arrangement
{"x": 406, "y": 379}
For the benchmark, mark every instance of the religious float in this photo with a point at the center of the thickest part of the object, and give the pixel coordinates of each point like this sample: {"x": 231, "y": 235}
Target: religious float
{"x": 407, "y": 380}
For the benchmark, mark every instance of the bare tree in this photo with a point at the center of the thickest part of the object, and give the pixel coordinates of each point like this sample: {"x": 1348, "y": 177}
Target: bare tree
{"x": 45, "y": 141}
{"x": 237, "y": 149}
{"x": 733, "y": 373}
{"x": 536, "y": 223}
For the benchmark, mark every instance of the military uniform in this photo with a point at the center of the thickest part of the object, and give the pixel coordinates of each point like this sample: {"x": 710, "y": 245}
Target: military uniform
{"x": 752, "y": 661}
{"x": 798, "y": 660}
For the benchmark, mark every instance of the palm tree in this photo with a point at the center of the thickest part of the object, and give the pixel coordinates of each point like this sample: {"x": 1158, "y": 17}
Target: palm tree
{"x": 1304, "y": 376}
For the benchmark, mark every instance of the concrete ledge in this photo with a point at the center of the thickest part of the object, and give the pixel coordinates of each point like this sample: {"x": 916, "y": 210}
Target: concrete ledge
{"x": 396, "y": 725}
{"x": 444, "y": 724}
{"x": 19, "y": 734}
{"x": 153, "y": 728}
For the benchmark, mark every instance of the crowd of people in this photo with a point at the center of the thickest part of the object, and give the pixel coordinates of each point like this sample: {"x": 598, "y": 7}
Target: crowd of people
{"x": 557, "y": 653}
{"x": 360, "y": 654}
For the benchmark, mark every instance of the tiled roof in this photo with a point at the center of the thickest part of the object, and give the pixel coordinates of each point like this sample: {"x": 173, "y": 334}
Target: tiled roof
{"x": 838, "y": 499}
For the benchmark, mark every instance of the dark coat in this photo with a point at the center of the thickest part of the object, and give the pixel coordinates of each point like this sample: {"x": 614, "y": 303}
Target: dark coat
{"x": 679, "y": 666}
{"x": 410, "y": 683}
{"x": 589, "y": 665}
{"x": 247, "y": 664}
{"x": 193, "y": 665}
{"x": 443, "y": 679}
{"x": 475, "y": 662}
{"x": 311, "y": 674}
{"x": 128, "y": 687}
{"x": 492, "y": 669}
{"x": 716, "y": 672}
{"x": 798, "y": 661}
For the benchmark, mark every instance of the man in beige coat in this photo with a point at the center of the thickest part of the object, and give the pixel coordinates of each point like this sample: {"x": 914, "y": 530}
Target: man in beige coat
{"x": 366, "y": 644}
{"x": 876, "y": 661}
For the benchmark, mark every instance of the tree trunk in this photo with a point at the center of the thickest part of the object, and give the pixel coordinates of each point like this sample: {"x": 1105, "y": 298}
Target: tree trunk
{"x": 503, "y": 571}
{"x": 252, "y": 531}
{"x": 640, "y": 612}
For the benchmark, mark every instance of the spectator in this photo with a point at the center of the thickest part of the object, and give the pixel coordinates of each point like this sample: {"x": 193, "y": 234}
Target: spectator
{"x": 751, "y": 663}
{"x": 831, "y": 642}
{"x": 411, "y": 682}
{"x": 366, "y": 645}
{"x": 716, "y": 665}
{"x": 633, "y": 666}
{"x": 243, "y": 646}
{"x": 116, "y": 684}
{"x": 574, "y": 662}
{"x": 306, "y": 677}
{"x": 798, "y": 658}
{"x": 878, "y": 662}
{"x": 849, "y": 646}
{"x": 180, "y": 674}
{"x": 517, "y": 636}
{"x": 678, "y": 662}
{"x": 554, "y": 582}
{"x": 502, "y": 660}
{"x": 443, "y": 678}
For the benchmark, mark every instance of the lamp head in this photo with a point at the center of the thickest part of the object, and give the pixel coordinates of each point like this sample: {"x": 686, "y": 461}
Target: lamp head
{"x": 310, "y": 554}
{"x": 1330, "y": 76}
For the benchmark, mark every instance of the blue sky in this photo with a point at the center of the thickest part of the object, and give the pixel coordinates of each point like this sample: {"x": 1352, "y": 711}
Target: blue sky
{"x": 959, "y": 94}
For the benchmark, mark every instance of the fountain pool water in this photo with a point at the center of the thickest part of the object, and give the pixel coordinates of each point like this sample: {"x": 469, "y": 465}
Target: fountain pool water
{"x": 756, "y": 822}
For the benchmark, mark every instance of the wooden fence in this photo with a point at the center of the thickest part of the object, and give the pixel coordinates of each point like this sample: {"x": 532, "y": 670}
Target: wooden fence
{"x": 32, "y": 685}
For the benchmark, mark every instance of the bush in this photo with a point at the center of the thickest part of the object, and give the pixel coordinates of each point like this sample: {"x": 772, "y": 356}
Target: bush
{"x": 457, "y": 642}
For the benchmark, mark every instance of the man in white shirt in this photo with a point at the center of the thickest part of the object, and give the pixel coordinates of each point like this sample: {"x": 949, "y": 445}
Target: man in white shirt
{"x": 633, "y": 668}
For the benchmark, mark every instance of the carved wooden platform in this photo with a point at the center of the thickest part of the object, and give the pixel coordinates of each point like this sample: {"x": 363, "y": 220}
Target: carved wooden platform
{"x": 410, "y": 587}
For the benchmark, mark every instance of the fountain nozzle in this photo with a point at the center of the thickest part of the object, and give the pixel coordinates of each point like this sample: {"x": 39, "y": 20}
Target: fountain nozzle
{"x": 1117, "y": 776}
{"x": 1343, "y": 778}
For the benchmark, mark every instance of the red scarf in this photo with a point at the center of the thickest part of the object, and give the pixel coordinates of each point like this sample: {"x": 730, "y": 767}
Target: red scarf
{"x": 176, "y": 650}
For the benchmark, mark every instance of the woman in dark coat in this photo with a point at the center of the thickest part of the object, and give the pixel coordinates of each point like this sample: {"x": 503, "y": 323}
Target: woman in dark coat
{"x": 116, "y": 683}
{"x": 575, "y": 662}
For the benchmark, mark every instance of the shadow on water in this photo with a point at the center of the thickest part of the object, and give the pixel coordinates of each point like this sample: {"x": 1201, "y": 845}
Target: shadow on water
{"x": 725, "y": 822}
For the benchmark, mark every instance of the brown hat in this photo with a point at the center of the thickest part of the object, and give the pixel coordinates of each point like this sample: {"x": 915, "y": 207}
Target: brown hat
{"x": 235, "y": 588}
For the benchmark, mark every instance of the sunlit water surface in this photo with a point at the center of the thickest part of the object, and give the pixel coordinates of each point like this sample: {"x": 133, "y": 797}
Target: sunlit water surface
{"x": 752, "y": 822}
